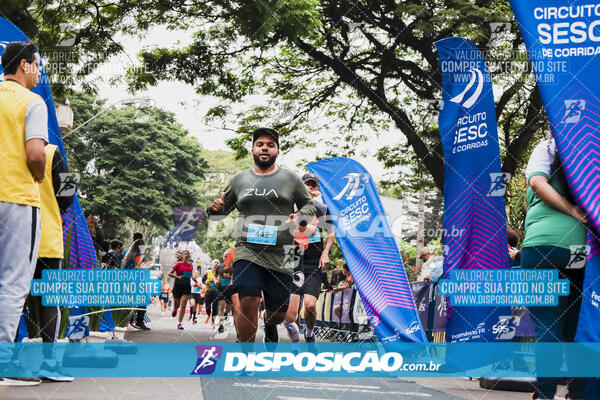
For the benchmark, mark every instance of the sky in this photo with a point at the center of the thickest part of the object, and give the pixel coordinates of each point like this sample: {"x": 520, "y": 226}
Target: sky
{"x": 190, "y": 108}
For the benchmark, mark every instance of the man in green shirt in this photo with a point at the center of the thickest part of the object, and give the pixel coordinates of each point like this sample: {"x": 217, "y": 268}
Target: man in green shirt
{"x": 272, "y": 202}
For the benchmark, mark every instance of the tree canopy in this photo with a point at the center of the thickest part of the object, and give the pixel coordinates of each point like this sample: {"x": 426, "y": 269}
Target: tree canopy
{"x": 335, "y": 72}
{"x": 331, "y": 73}
{"x": 134, "y": 163}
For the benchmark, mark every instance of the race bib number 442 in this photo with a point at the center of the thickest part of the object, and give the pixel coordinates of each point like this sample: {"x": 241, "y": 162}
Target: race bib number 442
{"x": 262, "y": 234}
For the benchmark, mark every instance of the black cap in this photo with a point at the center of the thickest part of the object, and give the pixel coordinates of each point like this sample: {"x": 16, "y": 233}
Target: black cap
{"x": 310, "y": 177}
{"x": 266, "y": 131}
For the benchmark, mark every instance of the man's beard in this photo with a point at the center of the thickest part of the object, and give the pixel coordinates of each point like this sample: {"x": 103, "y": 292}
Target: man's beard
{"x": 264, "y": 164}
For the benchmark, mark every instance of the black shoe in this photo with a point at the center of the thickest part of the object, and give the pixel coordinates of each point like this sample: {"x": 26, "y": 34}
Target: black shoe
{"x": 221, "y": 328}
{"x": 134, "y": 325}
{"x": 271, "y": 334}
{"x": 143, "y": 327}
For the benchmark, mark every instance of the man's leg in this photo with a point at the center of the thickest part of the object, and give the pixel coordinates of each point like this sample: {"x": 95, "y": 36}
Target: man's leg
{"x": 311, "y": 290}
{"x": 280, "y": 297}
{"x": 248, "y": 281}
{"x": 248, "y": 319}
{"x": 310, "y": 314}
{"x": 19, "y": 242}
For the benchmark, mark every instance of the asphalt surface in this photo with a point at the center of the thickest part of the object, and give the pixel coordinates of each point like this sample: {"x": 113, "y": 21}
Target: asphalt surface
{"x": 164, "y": 330}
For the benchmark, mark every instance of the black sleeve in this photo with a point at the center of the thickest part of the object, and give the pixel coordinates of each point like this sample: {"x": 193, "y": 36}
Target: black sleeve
{"x": 58, "y": 167}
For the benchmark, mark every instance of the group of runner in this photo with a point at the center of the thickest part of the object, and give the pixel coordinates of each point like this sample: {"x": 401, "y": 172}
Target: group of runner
{"x": 279, "y": 249}
{"x": 284, "y": 236}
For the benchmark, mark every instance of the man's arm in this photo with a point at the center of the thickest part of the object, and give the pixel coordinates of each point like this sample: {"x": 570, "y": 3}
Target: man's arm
{"x": 304, "y": 203}
{"x": 36, "y": 137}
{"x": 539, "y": 184}
{"x": 36, "y": 158}
{"x": 224, "y": 205}
{"x": 327, "y": 225}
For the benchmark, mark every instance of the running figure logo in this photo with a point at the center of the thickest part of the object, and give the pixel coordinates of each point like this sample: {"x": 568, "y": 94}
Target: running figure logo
{"x": 578, "y": 256}
{"x": 573, "y": 111}
{"x": 207, "y": 359}
{"x": 499, "y": 181}
{"x": 68, "y": 184}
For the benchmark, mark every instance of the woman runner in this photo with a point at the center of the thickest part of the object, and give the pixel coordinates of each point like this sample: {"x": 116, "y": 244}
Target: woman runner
{"x": 182, "y": 272}
{"x": 195, "y": 300}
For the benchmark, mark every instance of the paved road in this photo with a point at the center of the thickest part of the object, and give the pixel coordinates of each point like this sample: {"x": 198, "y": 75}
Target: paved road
{"x": 164, "y": 330}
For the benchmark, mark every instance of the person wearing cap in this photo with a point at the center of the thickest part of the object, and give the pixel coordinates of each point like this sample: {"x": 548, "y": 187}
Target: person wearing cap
{"x": 315, "y": 257}
{"x": 432, "y": 269}
{"x": 272, "y": 203}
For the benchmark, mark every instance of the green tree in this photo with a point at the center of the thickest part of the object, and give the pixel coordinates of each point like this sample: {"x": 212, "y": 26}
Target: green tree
{"x": 220, "y": 238}
{"x": 336, "y": 72}
{"x": 331, "y": 72}
{"x": 135, "y": 164}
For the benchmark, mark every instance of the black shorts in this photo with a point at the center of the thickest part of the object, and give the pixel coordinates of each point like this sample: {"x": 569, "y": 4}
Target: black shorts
{"x": 225, "y": 293}
{"x": 46, "y": 263}
{"x": 312, "y": 282}
{"x": 164, "y": 296}
{"x": 197, "y": 298}
{"x": 181, "y": 290}
{"x": 250, "y": 280}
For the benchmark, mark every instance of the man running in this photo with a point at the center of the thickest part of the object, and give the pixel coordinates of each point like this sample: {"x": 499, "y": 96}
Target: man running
{"x": 315, "y": 258}
{"x": 266, "y": 197}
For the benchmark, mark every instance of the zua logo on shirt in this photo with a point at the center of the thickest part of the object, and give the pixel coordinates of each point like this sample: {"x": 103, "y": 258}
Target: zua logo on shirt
{"x": 207, "y": 359}
{"x": 263, "y": 192}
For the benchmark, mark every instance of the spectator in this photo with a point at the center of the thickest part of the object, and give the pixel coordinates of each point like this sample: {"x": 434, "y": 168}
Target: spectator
{"x": 433, "y": 268}
{"x": 133, "y": 259}
{"x": 23, "y": 135}
{"x": 513, "y": 250}
{"x": 97, "y": 235}
{"x": 555, "y": 234}
{"x": 114, "y": 258}
{"x": 51, "y": 253}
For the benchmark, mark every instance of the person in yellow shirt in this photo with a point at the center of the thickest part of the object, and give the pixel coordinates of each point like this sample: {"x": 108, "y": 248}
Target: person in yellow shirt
{"x": 23, "y": 136}
{"x": 56, "y": 195}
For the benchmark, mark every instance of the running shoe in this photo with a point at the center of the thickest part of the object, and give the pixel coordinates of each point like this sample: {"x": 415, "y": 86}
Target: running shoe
{"x": 174, "y": 313}
{"x": 270, "y": 334}
{"x": 20, "y": 381}
{"x": 50, "y": 370}
{"x": 221, "y": 328}
{"x": 292, "y": 330}
{"x": 134, "y": 325}
{"x": 162, "y": 313}
{"x": 195, "y": 321}
{"x": 17, "y": 381}
{"x": 311, "y": 344}
{"x": 143, "y": 327}
{"x": 179, "y": 326}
